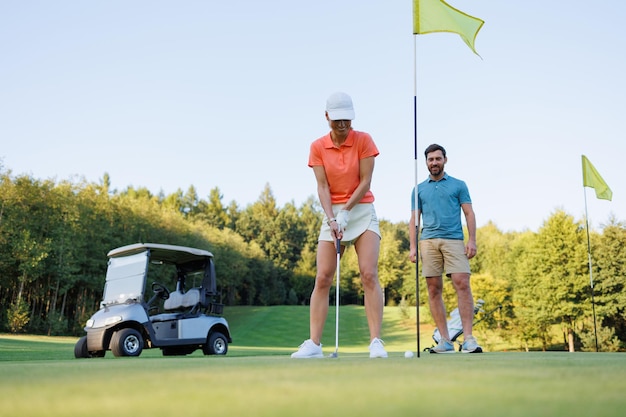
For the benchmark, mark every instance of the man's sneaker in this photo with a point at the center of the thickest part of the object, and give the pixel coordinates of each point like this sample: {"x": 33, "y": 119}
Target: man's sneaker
{"x": 471, "y": 346}
{"x": 308, "y": 349}
{"x": 376, "y": 349}
{"x": 444, "y": 346}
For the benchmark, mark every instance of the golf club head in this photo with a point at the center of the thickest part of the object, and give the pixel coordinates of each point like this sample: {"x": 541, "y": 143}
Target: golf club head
{"x": 333, "y": 355}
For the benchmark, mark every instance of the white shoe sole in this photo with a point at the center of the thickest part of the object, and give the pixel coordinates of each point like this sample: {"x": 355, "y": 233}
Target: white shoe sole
{"x": 477, "y": 350}
{"x": 316, "y": 356}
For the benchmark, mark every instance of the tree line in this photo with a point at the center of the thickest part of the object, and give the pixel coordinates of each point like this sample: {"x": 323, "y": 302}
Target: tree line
{"x": 54, "y": 237}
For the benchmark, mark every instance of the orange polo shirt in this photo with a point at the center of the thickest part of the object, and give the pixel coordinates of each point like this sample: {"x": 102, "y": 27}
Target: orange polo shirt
{"x": 342, "y": 164}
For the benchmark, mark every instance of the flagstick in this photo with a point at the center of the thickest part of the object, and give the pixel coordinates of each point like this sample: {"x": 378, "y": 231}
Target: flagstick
{"x": 417, "y": 275}
{"x": 593, "y": 303}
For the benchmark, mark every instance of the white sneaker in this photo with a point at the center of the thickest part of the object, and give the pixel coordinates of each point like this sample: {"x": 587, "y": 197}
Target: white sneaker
{"x": 444, "y": 346}
{"x": 308, "y": 349}
{"x": 470, "y": 345}
{"x": 376, "y": 349}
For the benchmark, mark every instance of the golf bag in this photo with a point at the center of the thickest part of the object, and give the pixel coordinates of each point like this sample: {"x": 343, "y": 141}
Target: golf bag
{"x": 455, "y": 328}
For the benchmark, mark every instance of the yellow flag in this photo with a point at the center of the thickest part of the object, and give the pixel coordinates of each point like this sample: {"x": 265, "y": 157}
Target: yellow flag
{"x": 438, "y": 16}
{"x": 591, "y": 178}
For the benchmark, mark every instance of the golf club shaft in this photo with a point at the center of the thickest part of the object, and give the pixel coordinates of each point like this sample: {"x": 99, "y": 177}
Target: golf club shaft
{"x": 338, "y": 242}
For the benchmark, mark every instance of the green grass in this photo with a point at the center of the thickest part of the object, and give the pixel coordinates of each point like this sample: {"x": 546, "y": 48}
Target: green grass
{"x": 283, "y": 328}
{"x": 40, "y": 377}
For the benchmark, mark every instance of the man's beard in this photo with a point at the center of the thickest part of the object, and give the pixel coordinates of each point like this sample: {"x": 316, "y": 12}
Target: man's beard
{"x": 434, "y": 170}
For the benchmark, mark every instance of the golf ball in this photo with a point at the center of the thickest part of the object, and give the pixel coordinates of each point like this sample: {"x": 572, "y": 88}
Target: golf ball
{"x": 408, "y": 354}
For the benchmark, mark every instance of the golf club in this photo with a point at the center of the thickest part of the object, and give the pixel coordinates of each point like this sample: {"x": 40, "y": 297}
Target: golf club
{"x": 335, "y": 353}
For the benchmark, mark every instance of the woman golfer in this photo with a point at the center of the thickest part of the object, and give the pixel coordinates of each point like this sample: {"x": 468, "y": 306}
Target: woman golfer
{"x": 343, "y": 164}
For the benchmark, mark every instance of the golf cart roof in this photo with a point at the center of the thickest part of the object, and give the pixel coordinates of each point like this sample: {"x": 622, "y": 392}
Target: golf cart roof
{"x": 164, "y": 253}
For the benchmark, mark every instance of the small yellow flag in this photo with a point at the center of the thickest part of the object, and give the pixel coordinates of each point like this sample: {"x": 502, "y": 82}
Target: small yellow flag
{"x": 438, "y": 16}
{"x": 591, "y": 178}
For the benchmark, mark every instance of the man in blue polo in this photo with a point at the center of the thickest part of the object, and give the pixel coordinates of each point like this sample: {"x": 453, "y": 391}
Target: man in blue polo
{"x": 440, "y": 200}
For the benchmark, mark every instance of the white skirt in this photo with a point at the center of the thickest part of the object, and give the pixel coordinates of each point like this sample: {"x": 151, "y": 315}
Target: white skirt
{"x": 362, "y": 218}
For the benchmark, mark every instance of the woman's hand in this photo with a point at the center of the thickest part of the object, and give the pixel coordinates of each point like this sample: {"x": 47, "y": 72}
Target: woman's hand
{"x": 342, "y": 219}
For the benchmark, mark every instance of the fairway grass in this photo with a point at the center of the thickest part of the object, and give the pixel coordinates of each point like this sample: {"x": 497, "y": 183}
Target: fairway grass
{"x": 40, "y": 377}
{"x": 491, "y": 384}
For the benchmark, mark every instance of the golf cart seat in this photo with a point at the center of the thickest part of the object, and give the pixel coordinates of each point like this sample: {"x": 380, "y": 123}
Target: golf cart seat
{"x": 174, "y": 301}
{"x": 191, "y": 298}
{"x": 179, "y": 301}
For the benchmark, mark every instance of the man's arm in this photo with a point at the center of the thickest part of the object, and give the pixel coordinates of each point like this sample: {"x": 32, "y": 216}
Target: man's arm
{"x": 470, "y": 220}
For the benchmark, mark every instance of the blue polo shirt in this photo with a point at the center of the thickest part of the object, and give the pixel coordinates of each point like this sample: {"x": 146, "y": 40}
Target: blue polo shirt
{"x": 440, "y": 204}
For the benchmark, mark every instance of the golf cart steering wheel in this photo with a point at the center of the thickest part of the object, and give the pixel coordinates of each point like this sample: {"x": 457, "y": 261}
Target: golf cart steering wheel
{"x": 160, "y": 290}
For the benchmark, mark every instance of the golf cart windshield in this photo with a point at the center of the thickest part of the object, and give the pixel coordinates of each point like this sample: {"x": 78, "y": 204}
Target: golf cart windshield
{"x": 125, "y": 279}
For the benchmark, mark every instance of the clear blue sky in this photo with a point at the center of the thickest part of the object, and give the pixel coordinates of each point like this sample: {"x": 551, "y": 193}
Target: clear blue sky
{"x": 230, "y": 94}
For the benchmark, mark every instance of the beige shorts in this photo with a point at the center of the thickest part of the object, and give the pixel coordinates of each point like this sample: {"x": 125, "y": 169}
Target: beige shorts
{"x": 439, "y": 255}
{"x": 362, "y": 218}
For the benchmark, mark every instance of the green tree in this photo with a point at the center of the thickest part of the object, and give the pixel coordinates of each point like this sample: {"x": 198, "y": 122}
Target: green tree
{"x": 530, "y": 321}
{"x": 190, "y": 201}
{"x": 392, "y": 263}
{"x": 213, "y": 212}
{"x": 554, "y": 277}
{"x": 18, "y": 316}
{"x": 608, "y": 253}
{"x": 492, "y": 273}
{"x": 256, "y": 220}
{"x": 175, "y": 201}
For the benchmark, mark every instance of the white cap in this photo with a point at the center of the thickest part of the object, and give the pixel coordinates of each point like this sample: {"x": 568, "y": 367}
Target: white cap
{"x": 339, "y": 107}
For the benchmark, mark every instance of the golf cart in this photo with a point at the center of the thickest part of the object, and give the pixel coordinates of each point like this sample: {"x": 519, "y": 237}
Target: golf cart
{"x": 177, "y": 322}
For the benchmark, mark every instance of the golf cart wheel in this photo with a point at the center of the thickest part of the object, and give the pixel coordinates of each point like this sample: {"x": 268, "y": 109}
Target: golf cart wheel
{"x": 80, "y": 348}
{"x": 126, "y": 342}
{"x": 217, "y": 344}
